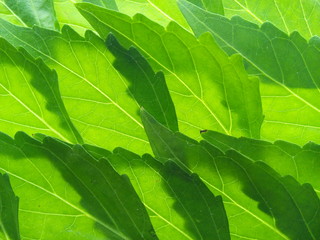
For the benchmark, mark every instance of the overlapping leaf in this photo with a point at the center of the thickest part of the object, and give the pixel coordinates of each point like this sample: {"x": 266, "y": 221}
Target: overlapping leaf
{"x": 9, "y": 206}
{"x": 179, "y": 204}
{"x": 215, "y": 6}
{"x": 102, "y": 102}
{"x": 31, "y": 12}
{"x": 30, "y": 98}
{"x": 217, "y": 95}
{"x": 241, "y": 182}
{"x": 289, "y": 16}
{"x": 160, "y": 11}
{"x": 75, "y": 192}
{"x": 74, "y": 201}
{"x": 286, "y": 158}
{"x": 67, "y": 14}
{"x": 287, "y": 65}
{"x": 110, "y": 4}
{"x": 7, "y": 14}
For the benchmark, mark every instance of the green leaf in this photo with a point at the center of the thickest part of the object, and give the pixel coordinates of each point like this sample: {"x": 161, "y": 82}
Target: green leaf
{"x": 159, "y": 11}
{"x": 286, "y": 158}
{"x": 217, "y": 95}
{"x": 7, "y": 14}
{"x": 110, "y": 4}
{"x": 152, "y": 93}
{"x": 289, "y": 16}
{"x": 67, "y": 14}
{"x": 294, "y": 207}
{"x": 190, "y": 211}
{"x": 30, "y": 98}
{"x": 69, "y": 194}
{"x": 215, "y": 6}
{"x": 105, "y": 194}
{"x": 102, "y": 103}
{"x": 287, "y": 66}
{"x": 9, "y": 206}
{"x": 35, "y": 12}
{"x": 241, "y": 183}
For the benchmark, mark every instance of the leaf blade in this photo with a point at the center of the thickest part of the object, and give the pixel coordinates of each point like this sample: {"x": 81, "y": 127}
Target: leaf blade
{"x": 191, "y": 210}
{"x": 36, "y": 99}
{"x": 53, "y": 192}
{"x": 228, "y": 86}
{"x": 40, "y": 13}
{"x": 90, "y": 90}
{"x": 9, "y": 206}
{"x": 285, "y": 64}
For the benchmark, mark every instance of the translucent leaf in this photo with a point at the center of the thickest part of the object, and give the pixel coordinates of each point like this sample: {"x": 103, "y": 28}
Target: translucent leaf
{"x": 67, "y": 194}
{"x": 286, "y": 209}
{"x": 9, "y": 206}
{"x": 216, "y": 95}
{"x": 286, "y": 158}
{"x": 296, "y": 15}
{"x": 30, "y": 98}
{"x": 287, "y": 65}
{"x": 34, "y": 12}
{"x": 102, "y": 102}
{"x": 179, "y": 204}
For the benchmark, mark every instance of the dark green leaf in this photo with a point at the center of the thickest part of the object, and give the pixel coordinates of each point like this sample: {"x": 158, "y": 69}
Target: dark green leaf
{"x": 287, "y": 65}
{"x": 216, "y": 95}
{"x": 303, "y": 163}
{"x": 35, "y": 12}
{"x": 9, "y": 206}
{"x": 190, "y": 211}
{"x": 241, "y": 182}
{"x": 69, "y": 193}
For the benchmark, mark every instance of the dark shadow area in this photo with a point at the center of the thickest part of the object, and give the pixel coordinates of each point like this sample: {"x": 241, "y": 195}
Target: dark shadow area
{"x": 39, "y": 79}
{"x": 294, "y": 207}
{"x": 148, "y": 88}
{"x": 203, "y": 212}
{"x": 107, "y": 196}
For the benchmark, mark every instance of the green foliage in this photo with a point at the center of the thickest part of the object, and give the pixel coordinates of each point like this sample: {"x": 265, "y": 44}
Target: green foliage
{"x": 287, "y": 66}
{"x": 153, "y": 120}
{"x": 9, "y": 206}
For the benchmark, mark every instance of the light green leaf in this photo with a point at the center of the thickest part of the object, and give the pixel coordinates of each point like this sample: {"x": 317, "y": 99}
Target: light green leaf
{"x": 64, "y": 199}
{"x": 35, "y": 12}
{"x": 9, "y": 206}
{"x": 110, "y": 4}
{"x": 289, "y": 16}
{"x": 160, "y": 11}
{"x": 7, "y": 14}
{"x": 286, "y": 158}
{"x": 288, "y": 68}
{"x": 30, "y": 98}
{"x": 241, "y": 183}
{"x": 67, "y": 14}
{"x": 216, "y": 95}
{"x": 102, "y": 103}
{"x": 179, "y": 204}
